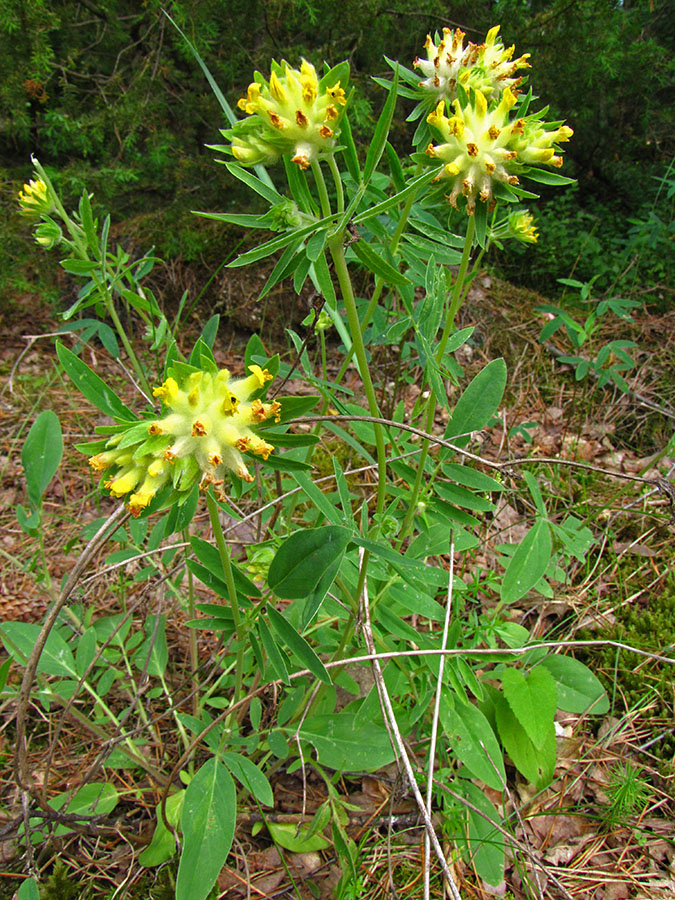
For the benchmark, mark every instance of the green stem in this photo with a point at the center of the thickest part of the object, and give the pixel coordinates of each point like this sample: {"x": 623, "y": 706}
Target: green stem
{"x": 321, "y": 187}
{"x": 234, "y": 603}
{"x": 379, "y": 282}
{"x": 112, "y": 312}
{"x": 430, "y": 409}
{"x": 338, "y": 255}
{"x": 335, "y": 172}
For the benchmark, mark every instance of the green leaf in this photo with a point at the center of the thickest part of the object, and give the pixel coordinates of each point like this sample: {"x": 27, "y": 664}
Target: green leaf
{"x": 411, "y": 188}
{"x": 56, "y": 658}
{"x": 92, "y": 387}
{"x": 319, "y": 499}
{"x": 537, "y": 765}
{"x": 277, "y": 243}
{"x": 153, "y": 654}
{"x": 544, "y": 176}
{"x": 296, "y": 839}
{"x": 579, "y": 690}
{"x": 485, "y": 843}
{"x": 209, "y": 557}
{"x": 344, "y": 745}
{"x": 304, "y": 557}
{"x": 480, "y": 400}
{"x": 207, "y": 821}
{"x": 163, "y": 844}
{"x": 28, "y": 890}
{"x": 472, "y": 740}
{"x": 298, "y": 645}
{"x": 79, "y": 266}
{"x": 528, "y": 564}
{"x": 533, "y": 700}
{"x": 250, "y": 180}
{"x": 381, "y": 133}
{"x": 85, "y": 650}
{"x": 377, "y": 265}
{"x": 275, "y": 656}
{"x": 95, "y": 799}
{"x": 41, "y": 454}
{"x": 250, "y": 777}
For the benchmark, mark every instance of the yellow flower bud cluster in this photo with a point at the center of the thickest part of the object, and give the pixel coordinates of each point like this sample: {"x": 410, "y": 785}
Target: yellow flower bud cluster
{"x": 34, "y": 199}
{"x": 483, "y": 145}
{"x": 292, "y": 114}
{"x": 206, "y": 428}
{"x": 487, "y": 67}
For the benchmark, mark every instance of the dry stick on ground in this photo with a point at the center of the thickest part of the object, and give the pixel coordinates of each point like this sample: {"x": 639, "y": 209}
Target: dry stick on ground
{"x": 388, "y": 714}
{"x": 661, "y": 484}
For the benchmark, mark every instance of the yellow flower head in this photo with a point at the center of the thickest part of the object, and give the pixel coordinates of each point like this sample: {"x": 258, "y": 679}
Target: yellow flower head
{"x": 522, "y": 227}
{"x": 205, "y": 428}
{"x": 34, "y": 199}
{"x": 482, "y": 145}
{"x": 291, "y": 114}
{"x": 487, "y": 67}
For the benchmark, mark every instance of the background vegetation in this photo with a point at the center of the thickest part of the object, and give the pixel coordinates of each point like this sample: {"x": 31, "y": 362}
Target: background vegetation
{"x": 106, "y": 94}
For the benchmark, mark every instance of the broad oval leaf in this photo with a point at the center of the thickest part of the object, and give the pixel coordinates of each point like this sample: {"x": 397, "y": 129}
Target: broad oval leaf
{"x": 56, "y": 658}
{"x": 207, "y": 821}
{"x": 579, "y": 690}
{"x": 480, "y": 400}
{"x": 473, "y": 741}
{"x": 41, "y": 454}
{"x": 250, "y": 777}
{"x": 533, "y": 701}
{"x": 528, "y": 563}
{"x": 345, "y": 744}
{"x": 303, "y": 558}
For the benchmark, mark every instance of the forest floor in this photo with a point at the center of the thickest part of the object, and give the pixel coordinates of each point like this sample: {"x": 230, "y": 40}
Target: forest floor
{"x": 603, "y": 830}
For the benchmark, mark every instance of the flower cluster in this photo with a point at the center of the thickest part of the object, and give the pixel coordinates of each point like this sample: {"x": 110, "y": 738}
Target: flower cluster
{"x": 205, "y": 429}
{"x": 482, "y": 144}
{"x": 294, "y": 113}
{"x": 34, "y": 199}
{"x": 487, "y": 67}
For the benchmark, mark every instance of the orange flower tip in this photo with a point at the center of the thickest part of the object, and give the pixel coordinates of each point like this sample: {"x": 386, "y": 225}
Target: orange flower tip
{"x": 301, "y": 119}
{"x": 556, "y": 161}
{"x": 331, "y": 113}
{"x": 138, "y": 502}
{"x": 513, "y": 179}
{"x": 430, "y": 151}
{"x": 326, "y": 132}
{"x": 169, "y": 456}
{"x": 428, "y": 42}
{"x": 301, "y": 160}
{"x": 198, "y": 429}
{"x": 275, "y": 410}
{"x": 258, "y": 411}
{"x": 489, "y": 167}
{"x": 275, "y": 121}
{"x": 472, "y": 149}
{"x": 493, "y": 132}
{"x": 155, "y": 428}
{"x": 214, "y": 459}
{"x": 97, "y": 462}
